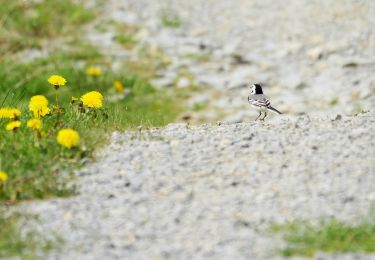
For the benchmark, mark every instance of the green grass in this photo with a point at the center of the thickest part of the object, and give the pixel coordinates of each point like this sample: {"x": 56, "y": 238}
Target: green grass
{"x": 26, "y": 24}
{"x": 171, "y": 21}
{"x": 23, "y": 244}
{"x": 126, "y": 40}
{"x": 199, "y": 106}
{"x": 125, "y": 34}
{"x": 199, "y": 57}
{"x": 41, "y": 169}
{"x": 333, "y": 101}
{"x": 20, "y": 81}
{"x": 330, "y": 236}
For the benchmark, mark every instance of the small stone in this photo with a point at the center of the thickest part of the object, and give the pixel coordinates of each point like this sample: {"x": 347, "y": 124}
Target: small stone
{"x": 186, "y": 117}
{"x": 338, "y": 117}
{"x": 371, "y": 196}
{"x": 163, "y": 192}
{"x": 315, "y": 53}
{"x": 183, "y": 82}
{"x": 174, "y": 143}
{"x": 198, "y": 32}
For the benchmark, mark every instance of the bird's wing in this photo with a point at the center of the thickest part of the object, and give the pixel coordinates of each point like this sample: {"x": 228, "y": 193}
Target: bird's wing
{"x": 261, "y": 103}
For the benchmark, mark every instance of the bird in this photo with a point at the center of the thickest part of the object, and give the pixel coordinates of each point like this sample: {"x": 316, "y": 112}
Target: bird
{"x": 259, "y": 101}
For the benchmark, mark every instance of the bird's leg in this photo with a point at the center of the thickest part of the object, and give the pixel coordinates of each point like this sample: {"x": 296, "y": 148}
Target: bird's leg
{"x": 260, "y": 113}
{"x": 265, "y": 114}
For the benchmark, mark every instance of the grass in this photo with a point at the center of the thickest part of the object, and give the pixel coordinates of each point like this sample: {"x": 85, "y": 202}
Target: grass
{"x": 330, "y": 236}
{"x": 199, "y": 57}
{"x": 199, "y": 106}
{"x": 40, "y": 169}
{"x": 125, "y": 34}
{"x": 24, "y": 244}
{"x": 149, "y": 62}
{"x": 126, "y": 40}
{"x": 26, "y": 24}
{"x": 333, "y": 101}
{"x": 171, "y": 21}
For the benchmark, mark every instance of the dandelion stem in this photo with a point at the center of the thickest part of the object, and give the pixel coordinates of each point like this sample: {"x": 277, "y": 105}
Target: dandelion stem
{"x": 57, "y": 101}
{"x": 58, "y": 110}
{"x": 38, "y": 134}
{"x": 57, "y": 118}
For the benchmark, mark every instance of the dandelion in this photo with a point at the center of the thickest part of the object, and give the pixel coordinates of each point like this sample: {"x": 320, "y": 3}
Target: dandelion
{"x": 34, "y": 124}
{"x": 92, "y": 99}
{"x": 3, "y": 177}
{"x": 13, "y": 126}
{"x": 11, "y": 113}
{"x": 119, "y": 87}
{"x": 68, "y": 138}
{"x": 57, "y": 81}
{"x": 93, "y": 71}
{"x": 39, "y": 106}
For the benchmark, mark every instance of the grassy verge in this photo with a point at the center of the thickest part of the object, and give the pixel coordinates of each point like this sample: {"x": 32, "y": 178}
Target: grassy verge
{"x": 330, "y": 236}
{"x": 26, "y": 24}
{"x": 38, "y": 167}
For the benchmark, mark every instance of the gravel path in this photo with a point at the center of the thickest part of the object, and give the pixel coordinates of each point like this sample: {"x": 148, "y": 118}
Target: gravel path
{"x": 210, "y": 192}
{"x": 315, "y": 56}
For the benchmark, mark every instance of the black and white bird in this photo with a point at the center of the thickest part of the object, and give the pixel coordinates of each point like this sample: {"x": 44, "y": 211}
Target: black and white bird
{"x": 259, "y": 101}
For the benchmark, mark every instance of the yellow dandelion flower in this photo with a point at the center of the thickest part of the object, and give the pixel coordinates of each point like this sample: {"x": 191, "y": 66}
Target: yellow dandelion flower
{"x": 11, "y": 113}
{"x": 39, "y": 106}
{"x": 68, "y": 138}
{"x": 119, "y": 87}
{"x": 34, "y": 124}
{"x": 57, "y": 81}
{"x": 92, "y": 99}
{"x": 93, "y": 71}
{"x": 3, "y": 177}
{"x": 14, "y": 125}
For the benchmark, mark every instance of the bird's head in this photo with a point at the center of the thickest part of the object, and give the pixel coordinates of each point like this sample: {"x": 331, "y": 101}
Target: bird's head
{"x": 256, "y": 89}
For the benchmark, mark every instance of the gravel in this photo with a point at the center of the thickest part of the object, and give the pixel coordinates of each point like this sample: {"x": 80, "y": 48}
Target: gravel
{"x": 211, "y": 191}
{"x": 311, "y": 61}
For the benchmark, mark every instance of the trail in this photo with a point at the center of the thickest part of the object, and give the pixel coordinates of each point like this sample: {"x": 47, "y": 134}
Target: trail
{"x": 212, "y": 191}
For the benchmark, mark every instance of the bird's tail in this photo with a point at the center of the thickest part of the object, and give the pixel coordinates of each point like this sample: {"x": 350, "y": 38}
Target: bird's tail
{"x": 274, "y": 110}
